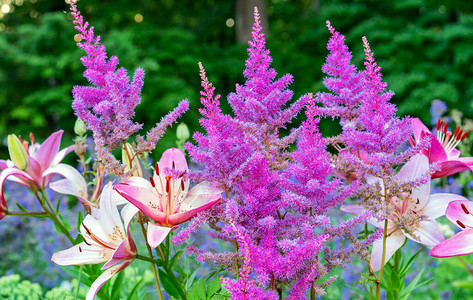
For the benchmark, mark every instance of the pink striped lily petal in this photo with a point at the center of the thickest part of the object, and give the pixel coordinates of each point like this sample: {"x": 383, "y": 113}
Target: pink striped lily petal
{"x": 61, "y": 154}
{"x": 139, "y": 192}
{"x": 460, "y": 213}
{"x": 459, "y": 244}
{"x": 157, "y": 234}
{"x": 450, "y": 167}
{"x": 48, "y": 150}
{"x": 173, "y": 158}
{"x": 3, "y": 176}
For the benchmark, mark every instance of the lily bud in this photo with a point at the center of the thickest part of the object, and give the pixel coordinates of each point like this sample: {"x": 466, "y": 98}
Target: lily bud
{"x": 127, "y": 153}
{"x": 79, "y": 127}
{"x": 182, "y": 132}
{"x": 17, "y": 152}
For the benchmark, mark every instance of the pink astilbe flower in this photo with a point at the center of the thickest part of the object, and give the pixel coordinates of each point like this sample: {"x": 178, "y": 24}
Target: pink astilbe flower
{"x": 108, "y": 106}
{"x": 275, "y": 198}
{"x": 345, "y": 81}
{"x": 442, "y": 148}
{"x": 376, "y": 129}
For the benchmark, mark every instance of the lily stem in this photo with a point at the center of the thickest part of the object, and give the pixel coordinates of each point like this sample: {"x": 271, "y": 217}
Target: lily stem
{"x": 48, "y": 208}
{"x": 156, "y": 280}
{"x": 151, "y": 260}
{"x": 383, "y": 260}
{"x": 78, "y": 282}
{"x": 170, "y": 272}
{"x": 27, "y": 214}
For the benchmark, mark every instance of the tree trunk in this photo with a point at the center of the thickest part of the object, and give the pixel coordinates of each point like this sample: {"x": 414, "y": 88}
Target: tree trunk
{"x": 245, "y": 18}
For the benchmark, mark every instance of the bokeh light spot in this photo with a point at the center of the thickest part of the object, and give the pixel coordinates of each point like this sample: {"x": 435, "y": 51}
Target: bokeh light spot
{"x": 230, "y": 22}
{"x": 138, "y": 18}
{"x": 5, "y": 8}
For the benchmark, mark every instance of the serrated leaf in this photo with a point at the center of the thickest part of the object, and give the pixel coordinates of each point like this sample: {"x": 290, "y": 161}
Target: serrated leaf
{"x": 198, "y": 291}
{"x": 168, "y": 284}
{"x": 213, "y": 286}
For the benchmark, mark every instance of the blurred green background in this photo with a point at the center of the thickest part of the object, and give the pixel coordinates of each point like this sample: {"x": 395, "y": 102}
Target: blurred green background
{"x": 425, "y": 49}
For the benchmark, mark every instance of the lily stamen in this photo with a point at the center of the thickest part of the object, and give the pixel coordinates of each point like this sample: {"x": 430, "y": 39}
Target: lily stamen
{"x": 447, "y": 139}
{"x": 95, "y": 239}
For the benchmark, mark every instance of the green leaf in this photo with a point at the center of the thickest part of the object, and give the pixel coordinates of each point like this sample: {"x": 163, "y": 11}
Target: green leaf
{"x": 198, "y": 291}
{"x": 134, "y": 289}
{"x": 65, "y": 222}
{"x": 116, "y": 288}
{"x": 57, "y": 206}
{"x": 175, "y": 258}
{"x": 21, "y": 208}
{"x": 191, "y": 278}
{"x": 413, "y": 285}
{"x": 168, "y": 284}
{"x": 405, "y": 269}
{"x": 214, "y": 286}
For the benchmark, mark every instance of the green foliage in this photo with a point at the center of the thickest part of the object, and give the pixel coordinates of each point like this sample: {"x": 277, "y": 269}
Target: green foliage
{"x": 423, "y": 47}
{"x": 13, "y": 288}
{"x": 210, "y": 290}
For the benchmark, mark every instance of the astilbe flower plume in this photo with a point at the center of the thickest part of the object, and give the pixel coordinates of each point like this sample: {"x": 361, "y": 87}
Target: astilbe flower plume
{"x": 278, "y": 238}
{"x": 107, "y": 107}
{"x": 372, "y": 144}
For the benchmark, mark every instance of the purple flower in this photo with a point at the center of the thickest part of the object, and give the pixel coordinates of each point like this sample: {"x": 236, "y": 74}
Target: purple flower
{"x": 107, "y": 107}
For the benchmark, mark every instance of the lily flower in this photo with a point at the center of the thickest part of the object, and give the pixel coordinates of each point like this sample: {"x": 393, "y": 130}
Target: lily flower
{"x": 443, "y": 148}
{"x": 459, "y": 213}
{"x": 74, "y": 184}
{"x": 43, "y": 161}
{"x": 167, "y": 200}
{"x": 412, "y": 214}
{"x": 106, "y": 239}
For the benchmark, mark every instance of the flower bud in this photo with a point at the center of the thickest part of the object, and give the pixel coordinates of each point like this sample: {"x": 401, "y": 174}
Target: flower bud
{"x": 17, "y": 152}
{"x": 182, "y": 132}
{"x": 127, "y": 153}
{"x": 79, "y": 127}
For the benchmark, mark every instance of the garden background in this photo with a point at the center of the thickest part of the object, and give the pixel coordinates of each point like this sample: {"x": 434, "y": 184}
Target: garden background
{"x": 425, "y": 49}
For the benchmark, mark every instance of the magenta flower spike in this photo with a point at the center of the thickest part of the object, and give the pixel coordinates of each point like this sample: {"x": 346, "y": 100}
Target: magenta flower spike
{"x": 459, "y": 213}
{"x": 43, "y": 161}
{"x": 106, "y": 239}
{"x": 417, "y": 205}
{"x": 165, "y": 199}
{"x": 442, "y": 148}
